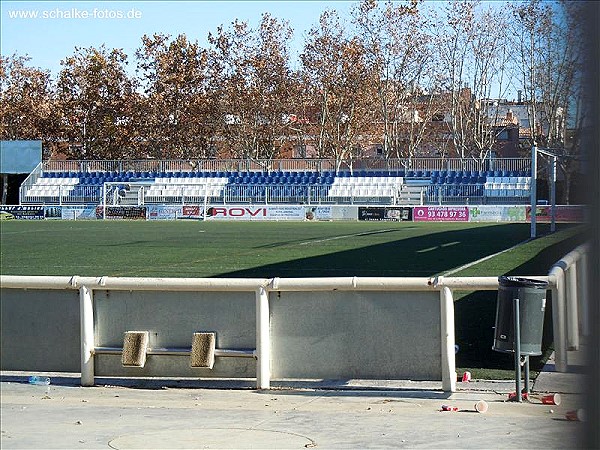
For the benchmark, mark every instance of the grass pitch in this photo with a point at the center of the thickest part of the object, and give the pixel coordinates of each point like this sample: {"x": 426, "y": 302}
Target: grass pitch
{"x": 301, "y": 249}
{"x": 254, "y": 249}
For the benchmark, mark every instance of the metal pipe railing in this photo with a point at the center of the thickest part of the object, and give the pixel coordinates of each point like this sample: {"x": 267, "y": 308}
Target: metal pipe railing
{"x": 566, "y": 279}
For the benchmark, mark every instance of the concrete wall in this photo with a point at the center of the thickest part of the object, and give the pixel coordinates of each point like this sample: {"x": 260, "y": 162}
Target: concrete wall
{"x": 39, "y": 330}
{"x": 377, "y": 335}
{"x": 324, "y": 334}
{"x": 172, "y": 318}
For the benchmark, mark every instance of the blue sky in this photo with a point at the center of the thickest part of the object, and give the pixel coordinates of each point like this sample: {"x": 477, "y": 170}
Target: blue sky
{"x": 61, "y": 26}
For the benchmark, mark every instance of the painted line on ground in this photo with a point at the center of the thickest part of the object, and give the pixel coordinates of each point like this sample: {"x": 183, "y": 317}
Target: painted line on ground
{"x": 485, "y": 258}
{"x": 363, "y": 233}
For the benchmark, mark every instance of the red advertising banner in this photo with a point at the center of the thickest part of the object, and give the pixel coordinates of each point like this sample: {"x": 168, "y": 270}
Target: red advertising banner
{"x": 563, "y": 213}
{"x": 440, "y": 214}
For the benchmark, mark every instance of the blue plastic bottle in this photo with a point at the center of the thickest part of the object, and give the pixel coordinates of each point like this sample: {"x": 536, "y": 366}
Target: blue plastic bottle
{"x": 44, "y": 381}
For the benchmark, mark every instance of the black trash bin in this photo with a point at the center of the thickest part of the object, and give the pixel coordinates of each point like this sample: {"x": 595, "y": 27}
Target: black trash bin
{"x": 532, "y": 304}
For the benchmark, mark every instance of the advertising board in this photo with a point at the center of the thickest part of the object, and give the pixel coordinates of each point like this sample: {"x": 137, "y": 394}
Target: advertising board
{"x": 385, "y": 213}
{"x": 191, "y": 212}
{"x": 77, "y": 212}
{"x": 290, "y": 212}
{"x": 491, "y": 213}
{"x": 319, "y": 213}
{"x": 22, "y": 212}
{"x": 122, "y": 212}
{"x": 564, "y": 213}
{"x": 440, "y": 214}
{"x": 163, "y": 212}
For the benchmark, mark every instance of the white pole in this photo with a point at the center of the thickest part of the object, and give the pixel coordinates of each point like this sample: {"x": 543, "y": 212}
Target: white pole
{"x": 87, "y": 336}
{"x": 558, "y": 320}
{"x": 553, "y": 195}
{"x": 533, "y": 189}
{"x": 584, "y": 295}
{"x": 263, "y": 341}
{"x": 572, "y": 308}
{"x": 447, "y": 329}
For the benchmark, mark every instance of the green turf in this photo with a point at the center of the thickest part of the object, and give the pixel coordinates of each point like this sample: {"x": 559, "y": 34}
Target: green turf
{"x": 256, "y": 249}
{"x": 286, "y": 249}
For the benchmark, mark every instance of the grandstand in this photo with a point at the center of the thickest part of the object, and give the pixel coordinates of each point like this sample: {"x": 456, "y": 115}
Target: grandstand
{"x": 424, "y": 181}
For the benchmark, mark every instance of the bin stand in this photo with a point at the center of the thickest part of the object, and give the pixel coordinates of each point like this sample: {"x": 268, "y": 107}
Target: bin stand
{"x": 517, "y": 334}
{"x": 526, "y": 388}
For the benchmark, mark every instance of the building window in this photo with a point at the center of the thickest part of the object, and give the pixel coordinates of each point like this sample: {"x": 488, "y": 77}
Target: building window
{"x": 503, "y": 135}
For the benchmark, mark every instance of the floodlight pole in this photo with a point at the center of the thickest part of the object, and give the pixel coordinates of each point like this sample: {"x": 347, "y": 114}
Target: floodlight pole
{"x": 533, "y": 189}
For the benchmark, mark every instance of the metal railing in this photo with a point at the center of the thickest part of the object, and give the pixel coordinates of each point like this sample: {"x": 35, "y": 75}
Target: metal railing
{"x": 444, "y": 194}
{"x": 570, "y": 303}
{"x": 475, "y": 194}
{"x": 61, "y": 194}
{"x": 567, "y": 280}
{"x": 299, "y": 164}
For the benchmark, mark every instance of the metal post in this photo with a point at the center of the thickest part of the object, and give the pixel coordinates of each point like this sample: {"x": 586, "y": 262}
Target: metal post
{"x": 533, "y": 189}
{"x": 553, "y": 195}
{"x": 517, "y": 345}
{"x": 447, "y": 329}
{"x": 86, "y": 313}
{"x": 103, "y": 202}
{"x": 263, "y": 341}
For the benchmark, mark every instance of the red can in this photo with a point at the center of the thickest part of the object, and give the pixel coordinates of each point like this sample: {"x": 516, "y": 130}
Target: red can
{"x": 449, "y": 408}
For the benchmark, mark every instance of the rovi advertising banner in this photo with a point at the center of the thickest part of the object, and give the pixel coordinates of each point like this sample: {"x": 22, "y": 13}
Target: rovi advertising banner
{"x": 440, "y": 214}
{"x": 256, "y": 212}
{"x": 497, "y": 214}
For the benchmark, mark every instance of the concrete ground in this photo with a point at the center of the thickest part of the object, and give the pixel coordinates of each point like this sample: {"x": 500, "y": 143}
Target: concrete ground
{"x": 173, "y": 413}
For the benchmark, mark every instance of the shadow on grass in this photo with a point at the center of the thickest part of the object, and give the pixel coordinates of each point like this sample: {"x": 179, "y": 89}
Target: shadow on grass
{"x": 475, "y": 316}
{"x": 417, "y": 256}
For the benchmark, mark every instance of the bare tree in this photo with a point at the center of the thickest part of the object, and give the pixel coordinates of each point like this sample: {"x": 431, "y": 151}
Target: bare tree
{"x": 398, "y": 49}
{"x": 549, "y": 40}
{"x": 473, "y": 54}
{"x": 178, "y": 106}
{"x": 27, "y": 103}
{"x": 335, "y": 68}
{"x": 94, "y": 95}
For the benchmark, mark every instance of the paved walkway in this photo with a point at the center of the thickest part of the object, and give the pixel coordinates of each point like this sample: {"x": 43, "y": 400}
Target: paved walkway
{"x": 133, "y": 414}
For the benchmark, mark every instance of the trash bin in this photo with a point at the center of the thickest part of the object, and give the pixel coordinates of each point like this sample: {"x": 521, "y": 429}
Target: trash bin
{"x": 532, "y": 304}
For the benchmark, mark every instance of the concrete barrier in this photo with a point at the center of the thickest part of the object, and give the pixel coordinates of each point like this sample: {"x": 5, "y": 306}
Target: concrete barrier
{"x": 317, "y": 328}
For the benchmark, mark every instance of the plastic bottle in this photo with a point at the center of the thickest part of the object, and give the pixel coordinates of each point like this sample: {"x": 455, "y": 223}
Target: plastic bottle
{"x": 44, "y": 381}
